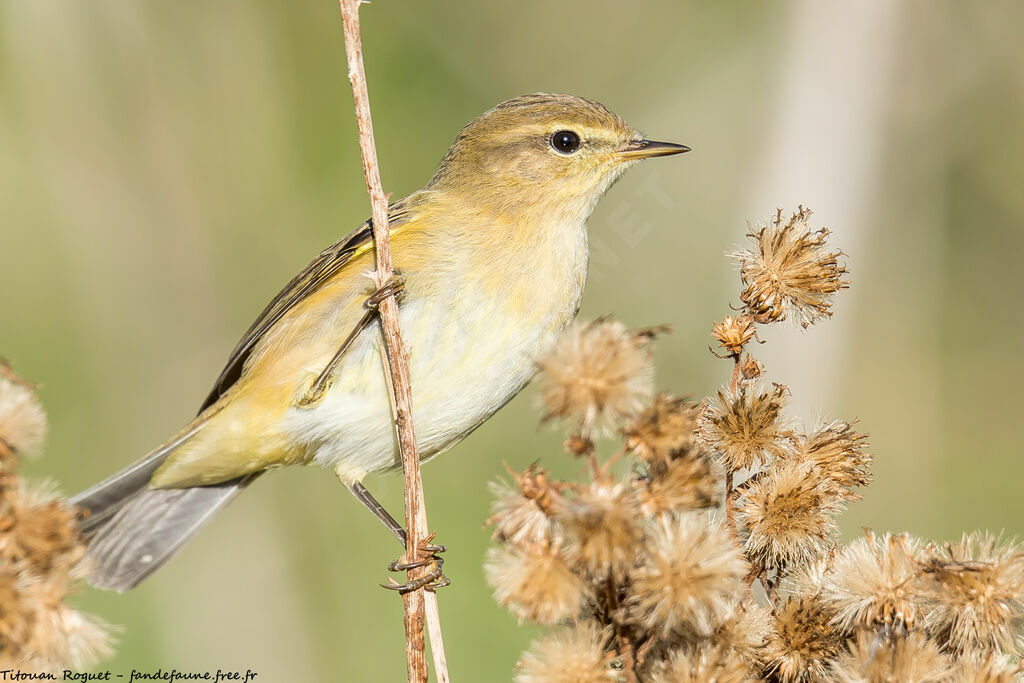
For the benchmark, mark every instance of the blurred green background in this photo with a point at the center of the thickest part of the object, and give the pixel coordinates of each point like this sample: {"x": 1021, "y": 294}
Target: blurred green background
{"x": 166, "y": 166}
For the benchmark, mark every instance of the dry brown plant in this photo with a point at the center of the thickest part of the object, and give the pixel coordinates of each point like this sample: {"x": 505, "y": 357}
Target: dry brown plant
{"x": 705, "y": 547}
{"x": 40, "y": 554}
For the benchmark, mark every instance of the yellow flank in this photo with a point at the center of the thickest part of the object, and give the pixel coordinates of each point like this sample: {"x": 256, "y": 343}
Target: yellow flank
{"x": 494, "y": 252}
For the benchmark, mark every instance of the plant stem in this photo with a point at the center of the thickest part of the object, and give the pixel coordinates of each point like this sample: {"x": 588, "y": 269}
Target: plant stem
{"x": 397, "y": 354}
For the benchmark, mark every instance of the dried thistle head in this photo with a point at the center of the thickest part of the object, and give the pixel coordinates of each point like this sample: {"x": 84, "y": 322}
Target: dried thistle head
{"x": 597, "y": 374}
{"x": 574, "y": 654}
{"x": 535, "y": 583}
{"x": 734, "y": 332}
{"x": 689, "y": 483}
{"x": 22, "y": 420}
{"x": 62, "y": 636}
{"x": 517, "y": 519}
{"x": 745, "y": 632}
{"x": 807, "y": 578}
{"x": 16, "y": 613}
{"x": 751, "y": 368}
{"x": 746, "y": 427}
{"x": 873, "y": 583}
{"x": 975, "y": 591}
{"x": 789, "y": 514}
{"x": 909, "y": 658}
{"x": 664, "y": 430}
{"x": 602, "y": 529}
{"x": 701, "y": 664}
{"x": 840, "y": 454}
{"x": 990, "y": 668}
{"x": 690, "y": 579}
{"x": 803, "y": 642}
{"x": 790, "y": 271}
{"x": 39, "y": 530}
{"x": 522, "y": 515}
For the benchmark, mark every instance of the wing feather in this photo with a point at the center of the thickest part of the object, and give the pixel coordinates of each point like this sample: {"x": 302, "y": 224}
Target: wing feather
{"x": 320, "y": 270}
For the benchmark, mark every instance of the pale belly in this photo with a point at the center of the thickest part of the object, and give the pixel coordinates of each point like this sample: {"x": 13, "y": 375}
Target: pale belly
{"x": 468, "y": 356}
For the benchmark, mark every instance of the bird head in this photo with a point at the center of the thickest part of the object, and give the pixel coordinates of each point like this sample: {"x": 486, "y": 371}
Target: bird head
{"x": 543, "y": 152}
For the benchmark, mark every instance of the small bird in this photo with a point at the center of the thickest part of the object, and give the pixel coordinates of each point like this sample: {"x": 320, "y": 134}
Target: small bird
{"x": 493, "y": 258}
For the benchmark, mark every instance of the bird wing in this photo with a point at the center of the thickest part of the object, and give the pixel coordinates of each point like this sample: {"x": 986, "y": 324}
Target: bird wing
{"x": 319, "y": 271}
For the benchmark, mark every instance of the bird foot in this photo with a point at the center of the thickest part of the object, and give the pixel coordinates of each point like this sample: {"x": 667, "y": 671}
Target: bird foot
{"x": 432, "y": 579}
{"x": 393, "y": 287}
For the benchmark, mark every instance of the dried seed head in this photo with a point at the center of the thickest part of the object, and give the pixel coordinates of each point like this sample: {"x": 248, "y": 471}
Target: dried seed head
{"x": 689, "y": 483}
{"x": 840, "y": 454}
{"x": 746, "y": 427}
{"x": 517, "y": 519}
{"x": 802, "y": 642}
{"x": 602, "y": 529}
{"x": 700, "y": 665}
{"x": 790, "y": 272}
{"x": 808, "y": 578}
{"x": 664, "y": 430}
{"x": 691, "y": 577}
{"x": 908, "y": 659}
{"x": 992, "y": 668}
{"x": 22, "y": 420}
{"x": 575, "y": 654}
{"x": 789, "y": 514}
{"x": 734, "y": 332}
{"x": 872, "y": 583}
{"x": 746, "y": 631}
{"x": 596, "y": 375}
{"x": 751, "y": 368}
{"x": 16, "y": 614}
{"x": 534, "y": 583}
{"x": 39, "y": 530}
{"x": 61, "y": 636}
{"x": 975, "y": 589}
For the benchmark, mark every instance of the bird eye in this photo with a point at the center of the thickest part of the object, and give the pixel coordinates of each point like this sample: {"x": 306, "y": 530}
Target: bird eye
{"x": 565, "y": 141}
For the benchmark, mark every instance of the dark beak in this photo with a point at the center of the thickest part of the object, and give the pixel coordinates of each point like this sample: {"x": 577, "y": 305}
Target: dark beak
{"x": 645, "y": 149}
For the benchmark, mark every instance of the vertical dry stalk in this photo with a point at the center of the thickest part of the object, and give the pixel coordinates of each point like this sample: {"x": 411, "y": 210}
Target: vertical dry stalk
{"x": 415, "y": 601}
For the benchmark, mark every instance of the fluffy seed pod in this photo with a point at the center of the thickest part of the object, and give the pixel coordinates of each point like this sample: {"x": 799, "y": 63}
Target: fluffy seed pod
{"x": 789, "y": 515}
{"x": 691, "y": 578}
{"x": 61, "y": 636}
{"x": 688, "y": 483}
{"x": 575, "y": 654}
{"x": 534, "y": 583}
{"x": 872, "y": 583}
{"x": 992, "y": 668}
{"x": 664, "y": 430}
{"x": 519, "y": 518}
{"x": 908, "y": 659}
{"x": 734, "y": 332}
{"x": 746, "y": 427}
{"x": 975, "y": 592}
{"x": 16, "y": 614}
{"x": 745, "y": 632}
{"x": 803, "y": 642}
{"x": 602, "y": 529}
{"x": 790, "y": 272}
{"x": 39, "y": 530}
{"x": 840, "y": 454}
{"x": 596, "y": 375}
{"x": 700, "y": 665}
{"x": 22, "y": 420}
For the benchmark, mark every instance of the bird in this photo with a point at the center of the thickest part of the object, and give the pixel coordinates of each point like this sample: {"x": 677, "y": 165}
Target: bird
{"x": 492, "y": 259}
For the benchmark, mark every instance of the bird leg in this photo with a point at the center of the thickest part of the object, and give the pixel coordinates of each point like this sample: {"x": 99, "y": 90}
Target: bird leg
{"x": 367, "y": 499}
{"x": 433, "y": 579}
{"x": 323, "y": 381}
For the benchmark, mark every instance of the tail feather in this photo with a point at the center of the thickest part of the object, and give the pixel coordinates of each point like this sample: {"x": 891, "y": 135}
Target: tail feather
{"x": 102, "y": 501}
{"x": 132, "y": 529}
{"x": 149, "y": 527}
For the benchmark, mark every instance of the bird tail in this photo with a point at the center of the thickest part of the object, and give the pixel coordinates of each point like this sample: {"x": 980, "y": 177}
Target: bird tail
{"x": 132, "y": 529}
